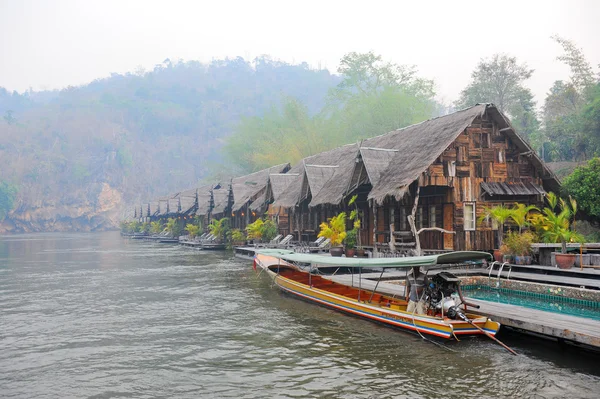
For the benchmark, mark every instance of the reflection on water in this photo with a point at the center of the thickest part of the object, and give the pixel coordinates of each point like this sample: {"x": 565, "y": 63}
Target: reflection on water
{"x": 99, "y": 316}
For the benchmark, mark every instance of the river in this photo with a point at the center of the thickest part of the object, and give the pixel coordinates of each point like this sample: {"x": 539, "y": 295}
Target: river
{"x": 98, "y": 316}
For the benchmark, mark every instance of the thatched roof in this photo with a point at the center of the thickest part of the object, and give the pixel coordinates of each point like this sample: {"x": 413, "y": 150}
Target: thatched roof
{"x": 204, "y": 200}
{"x": 258, "y": 204}
{"x": 290, "y": 196}
{"x": 316, "y": 175}
{"x": 419, "y": 145}
{"x": 334, "y": 188}
{"x": 278, "y": 182}
{"x": 220, "y": 199}
{"x": 246, "y": 188}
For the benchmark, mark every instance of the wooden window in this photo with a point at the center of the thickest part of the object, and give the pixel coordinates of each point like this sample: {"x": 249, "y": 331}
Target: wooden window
{"x": 469, "y": 216}
{"x": 432, "y": 219}
{"x": 419, "y": 217}
{"x": 403, "y": 221}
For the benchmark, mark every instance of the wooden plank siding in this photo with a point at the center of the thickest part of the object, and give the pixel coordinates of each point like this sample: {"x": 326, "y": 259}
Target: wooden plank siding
{"x": 480, "y": 154}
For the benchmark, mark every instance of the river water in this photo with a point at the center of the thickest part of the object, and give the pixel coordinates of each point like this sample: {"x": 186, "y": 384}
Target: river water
{"x": 99, "y": 316}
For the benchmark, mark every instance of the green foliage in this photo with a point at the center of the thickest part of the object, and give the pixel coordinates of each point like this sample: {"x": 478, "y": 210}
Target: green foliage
{"x": 145, "y": 227}
{"x": 334, "y": 229}
{"x": 374, "y": 97}
{"x": 262, "y": 229}
{"x": 156, "y": 227}
{"x": 520, "y": 213}
{"x": 173, "y": 227}
{"x": 500, "y": 214}
{"x": 192, "y": 229}
{"x": 555, "y": 227}
{"x": 134, "y": 227}
{"x": 501, "y": 80}
{"x": 572, "y": 110}
{"x": 269, "y": 230}
{"x": 8, "y": 193}
{"x": 219, "y": 228}
{"x": 351, "y": 239}
{"x": 519, "y": 244}
{"x": 584, "y": 185}
{"x": 237, "y": 235}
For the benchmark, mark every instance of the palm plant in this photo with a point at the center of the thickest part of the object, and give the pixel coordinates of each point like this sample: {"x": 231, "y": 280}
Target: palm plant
{"x": 355, "y": 217}
{"x": 519, "y": 214}
{"x": 555, "y": 227}
{"x": 500, "y": 214}
{"x": 192, "y": 229}
{"x": 218, "y": 228}
{"x": 334, "y": 229}
{"x": 155, "y": 227}
{"x": 255, "y": 229}
{"x": 171, "y": 226}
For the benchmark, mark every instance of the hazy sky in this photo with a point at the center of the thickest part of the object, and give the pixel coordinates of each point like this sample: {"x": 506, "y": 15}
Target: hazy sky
{"x": 53, "y": 44}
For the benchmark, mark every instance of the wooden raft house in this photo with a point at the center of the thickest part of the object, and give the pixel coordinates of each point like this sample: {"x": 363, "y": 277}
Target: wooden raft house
{"x": 443, "y": 171}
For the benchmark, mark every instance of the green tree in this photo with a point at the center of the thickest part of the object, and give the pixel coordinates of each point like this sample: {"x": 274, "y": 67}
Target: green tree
{"x": 584, "y": 185}
{"x": 8, "y": 193}
{"x": 501, "y": 80}
{"x": 373, "y": 97}
{"x": 572, "y": 109}
{"x": 376, "y": 97}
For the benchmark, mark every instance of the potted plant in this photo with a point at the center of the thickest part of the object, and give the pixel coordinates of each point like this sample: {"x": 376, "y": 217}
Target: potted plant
{"x": 350, "y": 243}
{"x": 355, "y": 216}
{"x": 519, "y": 246}
{"x": 556, "y": 227}
{"x": 192, "y": 230}
{"x": 262, "y": 230}
{"x": 254, "y": 230}
{"x": 335, "y": 230}
{"x": 500, "y": 214}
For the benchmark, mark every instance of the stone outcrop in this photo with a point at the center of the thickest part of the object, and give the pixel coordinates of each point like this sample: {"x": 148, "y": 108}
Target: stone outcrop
{"x": 93, "y": 208}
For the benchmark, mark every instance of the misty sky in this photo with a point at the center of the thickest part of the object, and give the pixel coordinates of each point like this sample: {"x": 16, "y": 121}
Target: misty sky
{"x": 53, "y": 44}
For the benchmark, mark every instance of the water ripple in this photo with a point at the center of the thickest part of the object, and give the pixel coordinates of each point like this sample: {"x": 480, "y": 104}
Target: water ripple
{"x": 96, "y": 316}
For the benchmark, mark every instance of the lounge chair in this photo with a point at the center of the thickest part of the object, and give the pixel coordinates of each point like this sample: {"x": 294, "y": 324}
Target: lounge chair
{"x": 285, "y": 241}
{"x": 276, "y": 239}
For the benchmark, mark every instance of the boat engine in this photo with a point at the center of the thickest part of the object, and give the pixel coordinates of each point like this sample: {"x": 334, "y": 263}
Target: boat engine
{"x": 440, "y": 290}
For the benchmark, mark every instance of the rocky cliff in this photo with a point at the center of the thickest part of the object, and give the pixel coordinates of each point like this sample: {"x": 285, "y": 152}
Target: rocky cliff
{"x": 96, "y": 207}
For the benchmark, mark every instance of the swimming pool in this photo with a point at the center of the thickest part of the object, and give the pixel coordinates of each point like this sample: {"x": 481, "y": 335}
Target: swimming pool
{"x": 549, "y": 303}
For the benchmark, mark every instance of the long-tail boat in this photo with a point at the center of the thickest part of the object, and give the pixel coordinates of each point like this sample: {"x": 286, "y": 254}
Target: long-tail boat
{"x": 446, "y": 313}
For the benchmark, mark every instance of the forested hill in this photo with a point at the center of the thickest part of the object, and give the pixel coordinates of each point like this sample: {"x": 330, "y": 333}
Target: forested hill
{"x": 69, "y": 159}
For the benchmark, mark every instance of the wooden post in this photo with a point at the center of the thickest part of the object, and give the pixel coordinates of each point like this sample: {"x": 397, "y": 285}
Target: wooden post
{"x": 411, "y": 222}
{"x": 374, "y": 210}
{"x": 392, "y": 229}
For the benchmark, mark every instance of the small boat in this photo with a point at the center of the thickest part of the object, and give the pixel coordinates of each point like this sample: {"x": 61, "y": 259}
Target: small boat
{"x": 302, "y": 275}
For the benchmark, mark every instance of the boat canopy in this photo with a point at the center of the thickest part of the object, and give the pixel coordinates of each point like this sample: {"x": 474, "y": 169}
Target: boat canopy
{"x": 406, "y": 262}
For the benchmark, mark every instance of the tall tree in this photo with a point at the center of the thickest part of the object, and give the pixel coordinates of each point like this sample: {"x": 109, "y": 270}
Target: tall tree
{"x": 375, "y": 97}
{"x": 501, "y": 80}
{"x": 372, "y": 98}
{"x": 568, "y": 109}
